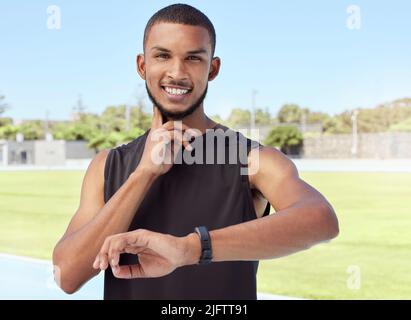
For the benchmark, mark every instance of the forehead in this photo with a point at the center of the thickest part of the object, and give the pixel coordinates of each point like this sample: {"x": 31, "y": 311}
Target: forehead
{"x": 178, "y": 37}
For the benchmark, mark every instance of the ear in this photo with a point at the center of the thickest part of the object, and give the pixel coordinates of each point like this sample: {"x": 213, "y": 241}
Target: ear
{"x": 141, "y": 66}
{"x": 214, "y": 69}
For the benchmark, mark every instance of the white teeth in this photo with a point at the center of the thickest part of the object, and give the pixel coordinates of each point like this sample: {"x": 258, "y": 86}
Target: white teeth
{"x": 175, "y": 91}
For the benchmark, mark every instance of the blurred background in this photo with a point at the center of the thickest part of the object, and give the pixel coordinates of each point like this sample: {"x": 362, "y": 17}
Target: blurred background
{"x": 327, "y": 83}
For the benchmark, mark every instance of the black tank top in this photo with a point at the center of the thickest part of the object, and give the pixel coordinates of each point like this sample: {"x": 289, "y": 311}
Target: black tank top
{"x": 214, "y": 195}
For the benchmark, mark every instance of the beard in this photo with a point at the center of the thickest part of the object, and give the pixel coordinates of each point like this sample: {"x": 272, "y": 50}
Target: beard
{"x": 179, "y": 115}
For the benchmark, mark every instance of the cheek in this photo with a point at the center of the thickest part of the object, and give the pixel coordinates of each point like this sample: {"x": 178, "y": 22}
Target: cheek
{"x": 201, "y": 84}
{"x": 152, "y": 71}
{"x": 152, "y": 80}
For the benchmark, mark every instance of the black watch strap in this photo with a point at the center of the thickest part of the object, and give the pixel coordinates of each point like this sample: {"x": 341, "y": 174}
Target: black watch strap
{"x": 206, "y": 249}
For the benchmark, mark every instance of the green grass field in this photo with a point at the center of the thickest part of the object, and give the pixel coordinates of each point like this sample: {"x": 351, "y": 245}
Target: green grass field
{"x": 374, "y": 211}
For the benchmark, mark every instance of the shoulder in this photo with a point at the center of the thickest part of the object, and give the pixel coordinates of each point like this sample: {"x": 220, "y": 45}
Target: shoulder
{"x": 132, "y": 145}
{"x": 97, "y": 165}
{"x": 269, "y": 163}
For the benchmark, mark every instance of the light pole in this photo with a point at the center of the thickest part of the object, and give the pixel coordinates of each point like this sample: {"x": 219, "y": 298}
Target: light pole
{"x": 252, "y": 118}
{"x": 253, "y": 95}
{"x": 304, "y": 121}
{"x": 354, "y": 148}
{"x": 46, "y": 123}
{"x": 48, "y": 136}
{"x": 78, "y": 109}
{"x": 127, "y": 107}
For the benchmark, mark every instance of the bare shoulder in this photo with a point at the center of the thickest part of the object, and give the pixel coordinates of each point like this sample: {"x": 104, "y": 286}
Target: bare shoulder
{"x": 99, "y": 161}
{"x": 94, "y": 177}
{"x": 95, "y": 171}
{"x": 266, "y": 162}
{"x": 92, "y": 193}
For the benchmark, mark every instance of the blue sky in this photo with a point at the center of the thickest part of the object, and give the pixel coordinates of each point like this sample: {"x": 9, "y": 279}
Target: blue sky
{"x": 289, "y": 51}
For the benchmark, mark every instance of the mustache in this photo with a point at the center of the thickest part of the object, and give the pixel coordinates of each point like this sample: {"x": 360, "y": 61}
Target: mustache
{"x": 177, "y": 83}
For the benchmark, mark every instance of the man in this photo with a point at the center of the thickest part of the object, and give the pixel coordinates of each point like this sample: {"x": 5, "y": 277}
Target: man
{"x": 138, "y": 212}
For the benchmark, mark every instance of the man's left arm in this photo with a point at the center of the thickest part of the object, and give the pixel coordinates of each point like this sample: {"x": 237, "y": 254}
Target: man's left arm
{"x": 303, "y": 216}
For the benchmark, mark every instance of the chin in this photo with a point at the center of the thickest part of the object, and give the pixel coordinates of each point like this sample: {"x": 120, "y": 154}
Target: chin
{"x": 175, "y": 108}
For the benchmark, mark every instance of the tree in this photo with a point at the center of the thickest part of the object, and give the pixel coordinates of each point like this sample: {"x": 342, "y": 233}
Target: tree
{"x": 31, "y": 130}
{"x": 103, "y": 141}
{"x": 106, "y": 131}
{"x": 335, "y": 125}
{"x": 8, "y": 132}
{"x": 262, "y": 117}
{"x": 239, "y": 118}
{"x": 382, "y": 118}
{"x": 403, "y": 126}
{"x": 113, "y": 119}
{"x": 317, "y": 117}
{"x": 140, "y": 119}
{"x": 5, "y": 121}
{"x": 85, "y": 127}
{"x": 3, "y": 105}
{"x": 288, "y": 138}
{"x": 217, "y": 119}
{"x": 73, "y": 131}
{"x": 289, "y": 113}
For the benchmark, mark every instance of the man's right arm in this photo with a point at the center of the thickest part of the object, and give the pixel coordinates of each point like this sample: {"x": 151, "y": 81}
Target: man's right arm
{"x": 95, "y": 220}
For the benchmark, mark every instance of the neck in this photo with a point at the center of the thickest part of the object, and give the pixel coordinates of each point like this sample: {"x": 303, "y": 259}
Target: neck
{"x": 198, "y": 120}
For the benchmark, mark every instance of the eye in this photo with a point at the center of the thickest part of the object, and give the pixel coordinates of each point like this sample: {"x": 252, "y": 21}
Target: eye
{"x": 162, "y": 56}
{"x": 194, "y": 58}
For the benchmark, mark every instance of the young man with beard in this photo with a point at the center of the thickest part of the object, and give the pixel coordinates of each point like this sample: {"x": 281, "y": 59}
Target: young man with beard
{"x": 162, "y": 230}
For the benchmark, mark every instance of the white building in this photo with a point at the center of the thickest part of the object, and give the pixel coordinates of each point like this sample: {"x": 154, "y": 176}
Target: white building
{"x": 43, "y": 152}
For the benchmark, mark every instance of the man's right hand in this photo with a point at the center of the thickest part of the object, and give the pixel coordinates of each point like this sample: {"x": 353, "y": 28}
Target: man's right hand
{"x": 163, "y": 144}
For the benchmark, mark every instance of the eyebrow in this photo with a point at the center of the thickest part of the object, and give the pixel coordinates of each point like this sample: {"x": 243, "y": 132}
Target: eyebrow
{"x": 197, "y": 51}
{"x": 160, "y": 49}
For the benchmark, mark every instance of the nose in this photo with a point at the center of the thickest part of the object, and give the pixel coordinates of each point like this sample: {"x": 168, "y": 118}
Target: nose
{"x": 177, "y": 70}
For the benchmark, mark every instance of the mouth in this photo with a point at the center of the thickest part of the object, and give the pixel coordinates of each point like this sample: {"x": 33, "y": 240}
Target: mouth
{"x": 176, "y": 94}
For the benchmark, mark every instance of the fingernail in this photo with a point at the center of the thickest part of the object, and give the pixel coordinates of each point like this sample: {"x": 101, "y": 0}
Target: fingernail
{"x": 189, "y": 147}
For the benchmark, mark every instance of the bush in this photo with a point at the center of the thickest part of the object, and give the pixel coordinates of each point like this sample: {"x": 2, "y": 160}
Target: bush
{"x": 8, "y": 132}
{"x": 403, "y": 126}
{"x": 103, "y": 141}
{"x": 287, "y": 138}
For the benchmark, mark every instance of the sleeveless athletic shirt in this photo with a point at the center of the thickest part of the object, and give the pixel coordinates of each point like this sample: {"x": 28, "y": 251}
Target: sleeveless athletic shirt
{"x": 215, "y": 195}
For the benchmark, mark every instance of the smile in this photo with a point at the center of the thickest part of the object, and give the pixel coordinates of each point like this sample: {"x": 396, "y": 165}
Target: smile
{"x": 176, "y": 95}
{"x": 175, "y": 91}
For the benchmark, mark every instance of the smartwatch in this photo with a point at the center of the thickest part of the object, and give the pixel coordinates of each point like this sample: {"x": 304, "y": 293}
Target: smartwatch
{"x": 206, "y": 249}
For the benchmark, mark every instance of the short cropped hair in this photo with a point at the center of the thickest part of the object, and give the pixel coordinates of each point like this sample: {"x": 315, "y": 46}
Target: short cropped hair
{"x": 182, "y": 14}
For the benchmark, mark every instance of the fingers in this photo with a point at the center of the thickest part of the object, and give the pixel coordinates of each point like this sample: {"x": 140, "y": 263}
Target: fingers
{"x": 178, "y": 128}
{"x": 134, "y": 250}
{"x": 179, "y": 125}
{"x": 101, "y": 260}
{"x": 129, "y": 271}
{"x": 116, "y": 248}
{"x": 170, "y": 134}
{"x": 115, "y": 245}
{"x": 182, "y": 133}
